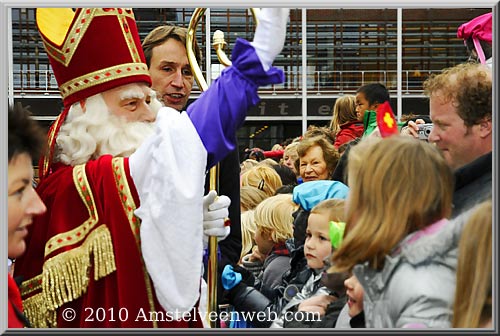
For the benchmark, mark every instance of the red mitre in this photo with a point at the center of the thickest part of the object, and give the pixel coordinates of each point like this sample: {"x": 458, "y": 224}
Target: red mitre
{"x": 91, "y": 50}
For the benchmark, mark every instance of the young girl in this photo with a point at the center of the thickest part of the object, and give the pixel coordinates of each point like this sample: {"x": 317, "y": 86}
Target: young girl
{"x": 345, "y": 122}
{"x": 400, "y": 196}
{"x": 352, "y": 315}
{"x": 313, "y": 297}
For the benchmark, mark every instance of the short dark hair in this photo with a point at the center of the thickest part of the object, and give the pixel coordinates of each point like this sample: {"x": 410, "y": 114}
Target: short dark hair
{"x": 25, "y": 134}
{"x": 161, "y": 34}
{"x": 375, "y": 93}
{"x": 287, "y": 175}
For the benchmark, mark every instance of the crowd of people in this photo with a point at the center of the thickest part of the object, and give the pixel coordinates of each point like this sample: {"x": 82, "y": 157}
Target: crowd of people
{"x": 344, "y": 226}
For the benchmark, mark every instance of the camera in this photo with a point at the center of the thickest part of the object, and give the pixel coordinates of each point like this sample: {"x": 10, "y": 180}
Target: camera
{"x": 424, "y": 130}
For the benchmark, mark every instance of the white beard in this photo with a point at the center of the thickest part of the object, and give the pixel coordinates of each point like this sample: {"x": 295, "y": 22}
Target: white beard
{"x": 88, "y": 135}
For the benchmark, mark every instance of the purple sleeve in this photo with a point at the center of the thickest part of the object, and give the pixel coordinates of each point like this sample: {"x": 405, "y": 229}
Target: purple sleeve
{"x": 222, "y": 109}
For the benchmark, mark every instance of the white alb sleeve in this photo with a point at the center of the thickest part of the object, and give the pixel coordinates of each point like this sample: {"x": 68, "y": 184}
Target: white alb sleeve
{"x": 168, "y": 171}
{"x": 270, "y": 34}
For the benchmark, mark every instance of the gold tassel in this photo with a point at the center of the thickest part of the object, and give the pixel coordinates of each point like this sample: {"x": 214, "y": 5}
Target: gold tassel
{"x": 37, "y": 313}
{"x": 65, "y": 276}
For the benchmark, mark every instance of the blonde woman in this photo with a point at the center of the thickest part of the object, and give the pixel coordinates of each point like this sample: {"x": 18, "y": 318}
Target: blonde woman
{"x": 473, "y": 295}
{"x": 262, "y": 177}
{"x": 290, "y": 155}
{"x": 399, "y": 200}
{"x": 345, "y": 123}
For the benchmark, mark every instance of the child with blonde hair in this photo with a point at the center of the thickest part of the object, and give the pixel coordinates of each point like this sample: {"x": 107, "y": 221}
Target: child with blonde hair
{"x": 248, "y": 229}
{"x": 247, "y": 164}
{"x": 274, "y": 225}
{"x": 262, "y": 177}
{"x": 250, "y": 197}
{"x": 251, "y": 298}
{"x": 399, "y": 200}
{"x": 324, "y": 233}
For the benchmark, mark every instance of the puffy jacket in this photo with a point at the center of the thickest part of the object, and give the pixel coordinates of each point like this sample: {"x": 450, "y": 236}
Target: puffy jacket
{"x": 416, "y": 286}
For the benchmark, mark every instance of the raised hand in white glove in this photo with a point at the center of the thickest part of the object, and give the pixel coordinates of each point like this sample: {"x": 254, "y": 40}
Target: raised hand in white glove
{"x": 215, "y": 212}
{"x": 270, "y": 34}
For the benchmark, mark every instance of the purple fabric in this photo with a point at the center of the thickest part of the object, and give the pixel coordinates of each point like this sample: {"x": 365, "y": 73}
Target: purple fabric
{"x": 222, "y": 109}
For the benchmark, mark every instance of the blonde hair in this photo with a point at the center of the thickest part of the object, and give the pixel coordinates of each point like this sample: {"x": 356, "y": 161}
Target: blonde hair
{"x": 248, "y": 229}
{"x": 247, "y": 164}
{"x": 250, "y": 197}
{"x": 291, "y": 147}
{"x": 291, "y": 151}
{"x": 333, "y": 208}
{"x": 397, "y": 186}
{"x": 268, "y": 162}
{"x": 344, "y": 111}
{"x": 262, "y": 177}
{"x": 274, "y": 215}
{"x": 472, "y": 308}
{"x": 277, "y": 147}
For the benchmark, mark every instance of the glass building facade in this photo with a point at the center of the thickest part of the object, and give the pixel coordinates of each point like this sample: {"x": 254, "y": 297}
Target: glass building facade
{"x": 328, "y": 52}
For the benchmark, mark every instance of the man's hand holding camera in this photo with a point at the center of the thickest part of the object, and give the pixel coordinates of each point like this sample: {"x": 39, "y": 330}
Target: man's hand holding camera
{"x": 417, "y": 129}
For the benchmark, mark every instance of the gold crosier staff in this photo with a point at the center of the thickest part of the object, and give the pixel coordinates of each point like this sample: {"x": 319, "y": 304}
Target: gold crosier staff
{"x": 219, "y": 45}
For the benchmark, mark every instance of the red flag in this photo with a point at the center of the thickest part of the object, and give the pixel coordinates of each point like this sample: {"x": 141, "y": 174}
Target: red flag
{"x": 386, "y": 121}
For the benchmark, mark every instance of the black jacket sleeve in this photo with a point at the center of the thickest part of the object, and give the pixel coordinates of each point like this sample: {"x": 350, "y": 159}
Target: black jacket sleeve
{"x": 245, "y": 298}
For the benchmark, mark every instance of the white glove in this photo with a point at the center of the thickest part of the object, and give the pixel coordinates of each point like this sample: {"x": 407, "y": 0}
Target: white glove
{"x": 270, "y": 34}
{"x": 215, "y": 212}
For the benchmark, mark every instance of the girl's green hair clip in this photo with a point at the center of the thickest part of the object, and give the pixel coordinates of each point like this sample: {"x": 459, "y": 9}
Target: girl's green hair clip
{"x": 336, "y": 233}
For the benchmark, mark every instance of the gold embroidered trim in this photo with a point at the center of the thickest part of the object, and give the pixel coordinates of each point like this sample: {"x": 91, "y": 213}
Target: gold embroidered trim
{"x": 31, "y": 285}
{"x": 129, "y": 208}
{"x": 47, "y": 158}
{"x": 126, "y": 197}
{"x": 102, "y": 76}
{"x": 37, "y": 313}
{"x": 80, "y": 232}
{"x": 65, "y": 277}
{"x": 64, "y": 53}
{"x": 127, "y": 34}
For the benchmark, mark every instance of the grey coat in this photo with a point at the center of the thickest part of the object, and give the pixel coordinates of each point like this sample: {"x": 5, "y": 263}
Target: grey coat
{"x": 311, "y": 288}
{"x": 416, "y": 287}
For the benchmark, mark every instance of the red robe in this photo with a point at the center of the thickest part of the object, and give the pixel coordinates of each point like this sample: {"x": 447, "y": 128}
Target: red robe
{"x": 14, "y": 304}
{"x": 86, "y": 259}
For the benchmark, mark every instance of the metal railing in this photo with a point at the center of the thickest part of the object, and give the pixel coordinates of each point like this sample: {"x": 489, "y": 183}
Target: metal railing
{"x": 43, "y": 82}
